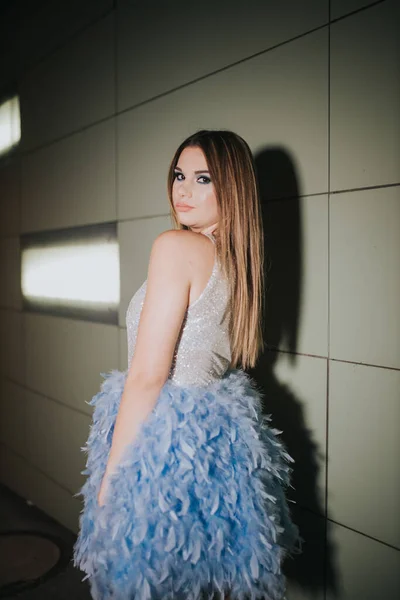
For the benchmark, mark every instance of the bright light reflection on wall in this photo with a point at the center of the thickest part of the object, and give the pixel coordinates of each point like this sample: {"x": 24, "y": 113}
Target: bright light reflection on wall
{"x": 10, "y": 124}
{"x": 72, "y": 273}
{"x": 72, "y": 277}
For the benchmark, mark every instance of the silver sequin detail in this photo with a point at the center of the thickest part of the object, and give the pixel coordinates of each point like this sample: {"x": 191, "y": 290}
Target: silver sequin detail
{"x": 202, "y": 353}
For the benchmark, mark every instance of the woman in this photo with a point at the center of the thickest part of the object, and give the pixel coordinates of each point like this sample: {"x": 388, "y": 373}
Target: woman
{"x": 185, "y": 490}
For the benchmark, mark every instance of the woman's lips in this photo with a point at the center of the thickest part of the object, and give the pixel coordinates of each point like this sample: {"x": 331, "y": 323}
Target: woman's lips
{"x": 183, "y": 208}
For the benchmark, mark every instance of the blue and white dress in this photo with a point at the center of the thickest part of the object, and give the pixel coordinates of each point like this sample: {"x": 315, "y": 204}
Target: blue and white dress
{"x": 196, "y": 508}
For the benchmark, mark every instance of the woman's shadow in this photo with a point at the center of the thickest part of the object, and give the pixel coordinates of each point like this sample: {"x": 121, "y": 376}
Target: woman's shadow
{"x": 312, "y": 570}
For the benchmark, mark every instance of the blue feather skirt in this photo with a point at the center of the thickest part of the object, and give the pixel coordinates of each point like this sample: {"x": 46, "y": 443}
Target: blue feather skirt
{"x": 196, "y": 508}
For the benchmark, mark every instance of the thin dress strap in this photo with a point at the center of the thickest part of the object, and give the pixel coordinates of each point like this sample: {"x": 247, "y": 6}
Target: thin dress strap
{"x": 211, "y": 236}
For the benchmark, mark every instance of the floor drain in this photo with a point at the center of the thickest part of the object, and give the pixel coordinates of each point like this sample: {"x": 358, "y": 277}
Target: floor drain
{"x": 27, "y": 559}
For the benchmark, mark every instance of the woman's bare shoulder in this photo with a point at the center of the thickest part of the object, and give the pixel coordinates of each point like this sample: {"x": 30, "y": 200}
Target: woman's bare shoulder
{"x": 180, "y": 240}
{"x": 180, "y": 259}
{"x": 188, "y": 251}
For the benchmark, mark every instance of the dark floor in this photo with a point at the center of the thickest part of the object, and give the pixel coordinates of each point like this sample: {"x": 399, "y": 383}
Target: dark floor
{"x": 64, "y": 581}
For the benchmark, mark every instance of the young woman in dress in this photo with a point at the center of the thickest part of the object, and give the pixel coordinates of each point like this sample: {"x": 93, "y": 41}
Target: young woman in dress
{"x": 185, "y": 490}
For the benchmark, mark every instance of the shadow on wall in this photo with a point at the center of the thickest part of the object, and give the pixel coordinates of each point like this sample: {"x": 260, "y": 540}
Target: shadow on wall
{"x": 314, "y": 569}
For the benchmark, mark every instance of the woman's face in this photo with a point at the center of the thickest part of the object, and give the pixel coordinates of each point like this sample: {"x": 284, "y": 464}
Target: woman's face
{"x": 193, "y": 192}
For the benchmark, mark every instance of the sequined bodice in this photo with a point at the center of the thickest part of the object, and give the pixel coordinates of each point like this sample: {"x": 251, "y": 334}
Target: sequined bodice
{"x": 202, "y": 353}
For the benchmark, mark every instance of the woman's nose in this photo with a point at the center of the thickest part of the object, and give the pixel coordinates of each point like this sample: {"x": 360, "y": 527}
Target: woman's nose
{"x": 184, "y": 189}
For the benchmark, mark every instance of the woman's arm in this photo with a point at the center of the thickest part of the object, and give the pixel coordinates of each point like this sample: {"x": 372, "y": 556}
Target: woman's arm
{"x": 167, "y": 297}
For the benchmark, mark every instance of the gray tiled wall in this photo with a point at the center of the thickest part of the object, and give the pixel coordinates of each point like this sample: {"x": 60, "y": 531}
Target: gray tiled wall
{"x": 108, "y": 90}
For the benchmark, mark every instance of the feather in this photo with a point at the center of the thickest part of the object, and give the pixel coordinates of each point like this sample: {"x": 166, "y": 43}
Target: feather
{"x": 196, "y": 507}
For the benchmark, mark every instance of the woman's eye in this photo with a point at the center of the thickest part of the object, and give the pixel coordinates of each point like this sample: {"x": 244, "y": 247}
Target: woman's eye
{"x": 180, "y": 177}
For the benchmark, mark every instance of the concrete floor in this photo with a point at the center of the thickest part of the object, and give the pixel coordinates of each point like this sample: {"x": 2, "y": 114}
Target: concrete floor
{"x": 65, "y": 582}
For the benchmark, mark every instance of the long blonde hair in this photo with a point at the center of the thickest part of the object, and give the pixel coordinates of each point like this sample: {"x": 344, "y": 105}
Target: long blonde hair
{"x": 239, "y": 238}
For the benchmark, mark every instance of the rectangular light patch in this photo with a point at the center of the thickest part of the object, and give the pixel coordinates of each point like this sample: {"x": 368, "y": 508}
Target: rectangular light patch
{"x": 10, "y": 124}
{"x": 73, "y": 272}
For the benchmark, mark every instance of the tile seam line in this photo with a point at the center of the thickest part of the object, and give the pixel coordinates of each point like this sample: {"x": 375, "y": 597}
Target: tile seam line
{"x": 117, "y": 113}
{"x": 368, "y": 536}
{"x": 122, "y": 328}
{"x": 38, "y": 469}
{"x": 326, "y": 479}
{"x": 18, "y": 234}
{"x": 23, "y": 153}
{"x": 319, "y": 516}
{"x": 133, "y": 219}
{"x": 138, "y": 105}
{"x": 339, "y": 360}
{"x": 361, "y": 189}
{"x": 46, "y": 397}
{"x": 354, "y": 12}
{"x": 114, "y": 9}
{"x": 362, "y": 364}
{"x": 222, "y": 69}
{"x": 116, "y": 182}
{"x": 74, "y": 36}
{"x": 328, "y": 520}
{"x": 310, "y": 511}
{"x": 141, "y": 217}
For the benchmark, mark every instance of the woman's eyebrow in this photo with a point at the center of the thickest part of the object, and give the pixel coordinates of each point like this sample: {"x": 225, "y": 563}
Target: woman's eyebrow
{"x": 196, "y": 172}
